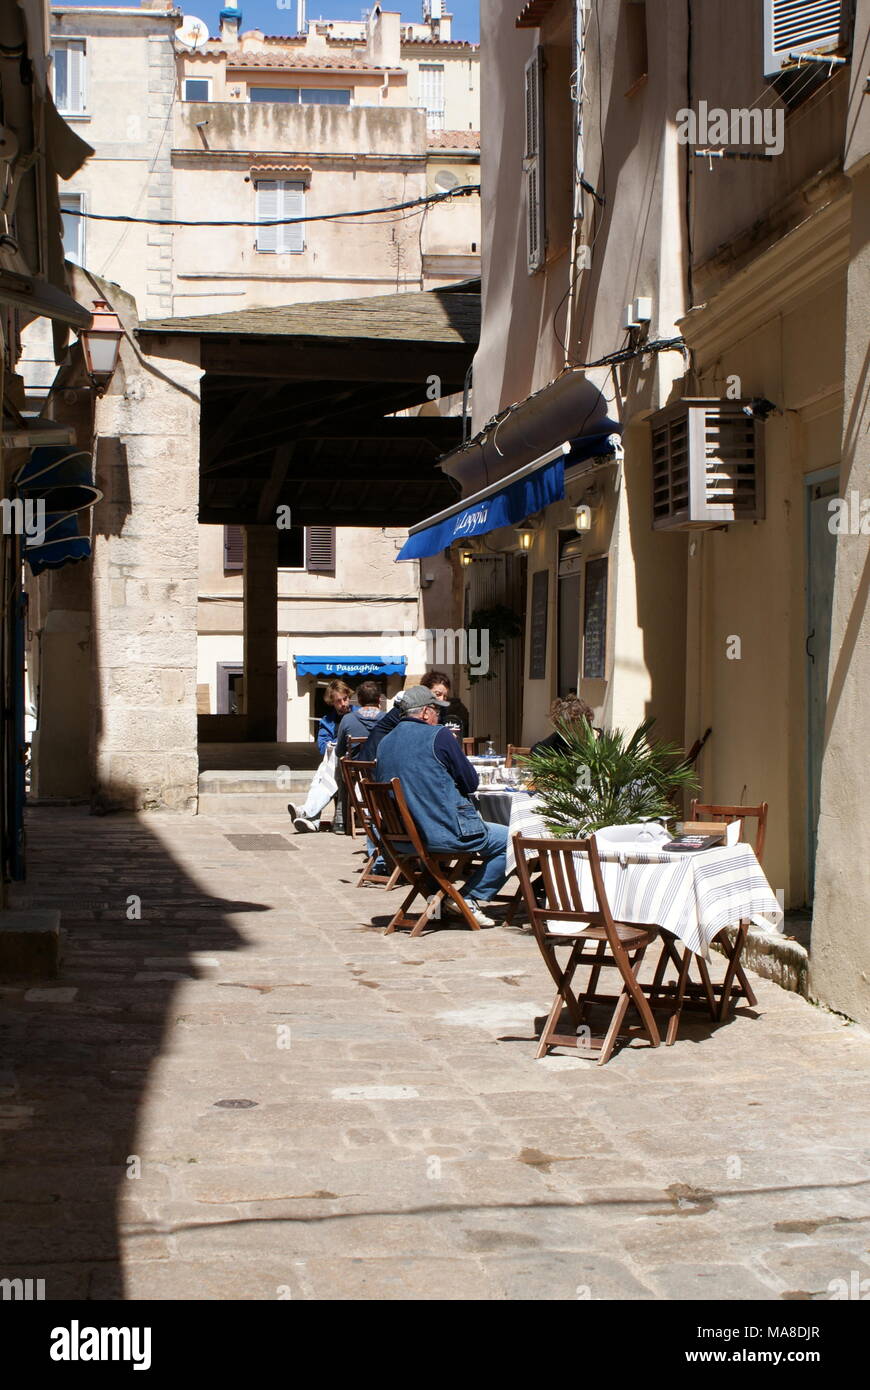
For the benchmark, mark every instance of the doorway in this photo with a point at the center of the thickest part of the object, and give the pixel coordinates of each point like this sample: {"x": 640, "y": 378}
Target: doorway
{"x": 230, "y": 690}
{"x": 821, "y": 557}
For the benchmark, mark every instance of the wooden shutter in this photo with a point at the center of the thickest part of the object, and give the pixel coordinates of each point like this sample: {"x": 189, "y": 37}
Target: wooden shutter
{"x": 320, "y": 549}
{"x": 76, "y": 76}
{"x": 708, "y": 465}
{"x": 534, "y": 160}
{"x": 234, "y": 552}
{"x": 293, "y": 205}
{"x": 268, "y": 208}
{"x": 802, "y": 26}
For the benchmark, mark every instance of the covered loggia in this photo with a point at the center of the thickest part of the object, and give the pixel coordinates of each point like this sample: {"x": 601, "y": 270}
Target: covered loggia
{"x": 299, "y": 410}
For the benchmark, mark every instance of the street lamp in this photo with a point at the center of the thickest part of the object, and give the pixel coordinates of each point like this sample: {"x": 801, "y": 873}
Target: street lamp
{"x": 101, "y": 344}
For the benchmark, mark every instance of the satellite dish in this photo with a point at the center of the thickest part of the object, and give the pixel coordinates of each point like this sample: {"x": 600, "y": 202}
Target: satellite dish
{"x": 193, "y": 32}
{"x": 445, "y": 179}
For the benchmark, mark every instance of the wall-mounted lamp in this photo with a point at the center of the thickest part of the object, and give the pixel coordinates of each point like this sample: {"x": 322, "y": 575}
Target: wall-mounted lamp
{"x": 583, "y": 519}
{"x": 101, "y": 344}
{"x": 525, "y": 537}
{"x": 466, "y": 557}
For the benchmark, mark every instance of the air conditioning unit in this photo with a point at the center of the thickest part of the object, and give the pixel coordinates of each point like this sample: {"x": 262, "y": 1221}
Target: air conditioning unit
{"x": 804, "y": 26}
{"x": 707, "y": 465}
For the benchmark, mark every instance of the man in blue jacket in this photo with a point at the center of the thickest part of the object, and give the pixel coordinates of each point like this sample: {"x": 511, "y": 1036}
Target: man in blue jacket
{"x": 438, "y": 780}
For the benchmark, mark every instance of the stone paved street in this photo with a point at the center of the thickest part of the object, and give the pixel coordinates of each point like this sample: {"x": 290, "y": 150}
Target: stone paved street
{"x": 250, "y": 1093}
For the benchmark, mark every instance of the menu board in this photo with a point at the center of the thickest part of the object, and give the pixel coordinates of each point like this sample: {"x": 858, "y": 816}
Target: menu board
{"x": 538, "y": 631}
{"x": 595, "y": 620}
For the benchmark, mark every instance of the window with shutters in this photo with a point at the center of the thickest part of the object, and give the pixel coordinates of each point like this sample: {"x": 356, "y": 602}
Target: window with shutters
{"x": 71, "y": 207}
{"x": 432, "y": 94}
{"x": 803, "y": 26}
{"x": 320, "y": 549}
{"x": 69, "y": 62}
{"x": 533, "y": 163}
{"x": 707, "y": 465}
{"x": 277, "y": 198}
{"x": 234, "y": 548}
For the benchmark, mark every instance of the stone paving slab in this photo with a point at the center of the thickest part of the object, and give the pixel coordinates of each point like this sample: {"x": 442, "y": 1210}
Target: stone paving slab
{"x": 241, "y": 1089}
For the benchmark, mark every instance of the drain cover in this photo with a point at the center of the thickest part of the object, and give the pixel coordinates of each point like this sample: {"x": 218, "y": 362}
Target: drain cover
{"x": 234, "y": 1104}
{"x": 260, "y": 842}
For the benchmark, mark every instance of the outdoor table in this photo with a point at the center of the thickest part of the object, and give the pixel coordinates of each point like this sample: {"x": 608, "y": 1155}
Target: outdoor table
{"x": 496, "y": 804}
{"x": 692, "y": 895}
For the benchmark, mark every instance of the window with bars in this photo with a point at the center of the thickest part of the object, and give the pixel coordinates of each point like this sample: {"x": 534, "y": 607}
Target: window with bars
{"x": 69, "y": 63}
{"x": 309, "y": 548}
{"x": 277, "y": 198}
{"x": 432, "y": 94}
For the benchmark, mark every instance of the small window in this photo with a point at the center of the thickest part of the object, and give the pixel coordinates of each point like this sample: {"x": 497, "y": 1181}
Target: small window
{"x": 320, "y": 549}
{"x": 197, "y": 89}
{"x": 69, "y": 64}
{"x": 432, "y": 94}
{"x": 325, "y": 96}
{"x": 286, "y": 94}
{"x": 277, "y": 199}
{"x": 71, "y": 206}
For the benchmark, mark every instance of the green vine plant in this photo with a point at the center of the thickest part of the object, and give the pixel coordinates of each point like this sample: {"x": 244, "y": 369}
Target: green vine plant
{"x": 612, "y": 778}
{"x": 501, "y": 623}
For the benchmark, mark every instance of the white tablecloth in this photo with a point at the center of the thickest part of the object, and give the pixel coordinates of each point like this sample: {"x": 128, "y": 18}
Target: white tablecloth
{"x": 692, "y": 895}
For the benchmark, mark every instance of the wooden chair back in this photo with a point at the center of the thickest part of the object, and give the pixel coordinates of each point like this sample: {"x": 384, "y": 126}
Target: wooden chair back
{"x": 472, "y": 746}
{"x": 355, "y": 741}
{"x": 563, "y": 900}
{"x": 515, "y": 751}
{"x": 702, "y": 811}
{"x": 354, "y": 774}
{"x": 397, "y": 832}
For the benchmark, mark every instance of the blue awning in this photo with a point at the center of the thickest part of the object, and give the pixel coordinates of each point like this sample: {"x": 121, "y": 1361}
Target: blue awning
{"x": 506, "y": 506}
{"x": 61, "y": 545}
{"x": 349, "y": 666}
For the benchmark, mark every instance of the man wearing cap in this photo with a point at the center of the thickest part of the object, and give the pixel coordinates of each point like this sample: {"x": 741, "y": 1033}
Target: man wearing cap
{"x": 438, "y": 780}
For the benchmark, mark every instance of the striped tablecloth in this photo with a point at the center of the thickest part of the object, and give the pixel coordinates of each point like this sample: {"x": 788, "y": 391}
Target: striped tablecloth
{"x": 691, "y": 895}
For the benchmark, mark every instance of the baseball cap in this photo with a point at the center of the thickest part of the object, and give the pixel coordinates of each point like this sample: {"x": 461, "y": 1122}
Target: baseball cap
{"x": 418, "y": 697}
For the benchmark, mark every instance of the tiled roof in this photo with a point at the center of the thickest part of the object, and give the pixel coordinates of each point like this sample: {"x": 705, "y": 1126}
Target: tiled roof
{"x": 531, "y": 14}
{"x": 310, "y": 62}
{"x": 454, "y": 140}
{"x": 440, "y": 43}
{"x": 424, "y": 316}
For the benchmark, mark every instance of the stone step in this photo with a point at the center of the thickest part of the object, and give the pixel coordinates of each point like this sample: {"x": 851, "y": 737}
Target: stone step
{"x": 254, "y": 781}
{"x": 249, "y": 803}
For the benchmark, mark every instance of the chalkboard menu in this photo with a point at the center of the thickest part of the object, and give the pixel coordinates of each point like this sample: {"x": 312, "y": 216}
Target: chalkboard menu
{"x": 595, "y": 620}
{"x": 538, "y": 632}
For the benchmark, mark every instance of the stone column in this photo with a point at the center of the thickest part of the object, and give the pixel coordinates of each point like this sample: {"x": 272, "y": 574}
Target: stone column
{"x": 145, "y": 577}
{"x": 261, "y": 633}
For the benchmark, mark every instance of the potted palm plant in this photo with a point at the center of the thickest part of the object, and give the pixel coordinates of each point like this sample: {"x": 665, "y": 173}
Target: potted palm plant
{"x": 611, "y": 778}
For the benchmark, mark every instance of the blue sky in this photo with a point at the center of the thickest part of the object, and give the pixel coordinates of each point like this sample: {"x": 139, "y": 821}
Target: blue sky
{"x": 273, "y": 18}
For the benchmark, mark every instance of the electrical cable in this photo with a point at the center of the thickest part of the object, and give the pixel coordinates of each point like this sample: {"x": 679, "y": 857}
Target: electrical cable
{"x": 464, "y": 190}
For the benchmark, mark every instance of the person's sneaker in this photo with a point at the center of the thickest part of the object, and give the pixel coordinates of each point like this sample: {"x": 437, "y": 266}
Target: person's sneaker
{"x": 478, "y": 913}
{"x": 303, "y": 826}
{"x": 380, "y": 867}
{"x": 293, "y": 813}
{"x": 473, "y": 907}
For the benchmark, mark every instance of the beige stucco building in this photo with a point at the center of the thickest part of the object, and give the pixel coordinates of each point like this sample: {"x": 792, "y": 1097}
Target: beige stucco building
{"x": 242, "y": 129}
{"x": 722, "y": 261}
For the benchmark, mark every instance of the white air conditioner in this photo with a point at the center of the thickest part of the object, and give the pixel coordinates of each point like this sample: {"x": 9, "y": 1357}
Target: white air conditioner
{"x": 804, "y": 26}
{"x": 707, "y": 465}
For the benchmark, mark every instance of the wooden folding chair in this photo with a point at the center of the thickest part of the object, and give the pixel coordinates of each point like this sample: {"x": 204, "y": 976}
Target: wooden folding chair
{"x": 354, "y": 774}
{"x": 420, "y": 867}
{"x": 352, "y": 820}
{"x": 718, "y": 998}
{"x": 514, "y": 751}
{"x": 593, "y": 939}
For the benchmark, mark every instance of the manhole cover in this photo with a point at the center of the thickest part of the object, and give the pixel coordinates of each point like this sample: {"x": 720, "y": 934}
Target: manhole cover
{"x": 260, "y": 842}
{"x": 234, "y": 1104}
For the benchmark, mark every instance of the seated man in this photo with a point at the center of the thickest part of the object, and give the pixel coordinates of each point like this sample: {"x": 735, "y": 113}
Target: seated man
{"x": 437, "y": 780}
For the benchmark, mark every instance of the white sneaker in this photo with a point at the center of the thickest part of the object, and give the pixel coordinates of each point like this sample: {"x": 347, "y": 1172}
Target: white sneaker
{"x": 473, "y": 907}
{"x": 303, "y": 826}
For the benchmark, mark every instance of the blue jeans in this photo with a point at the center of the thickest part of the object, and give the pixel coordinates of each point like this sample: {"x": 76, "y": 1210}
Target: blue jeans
{"x": 489, "y": 878}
